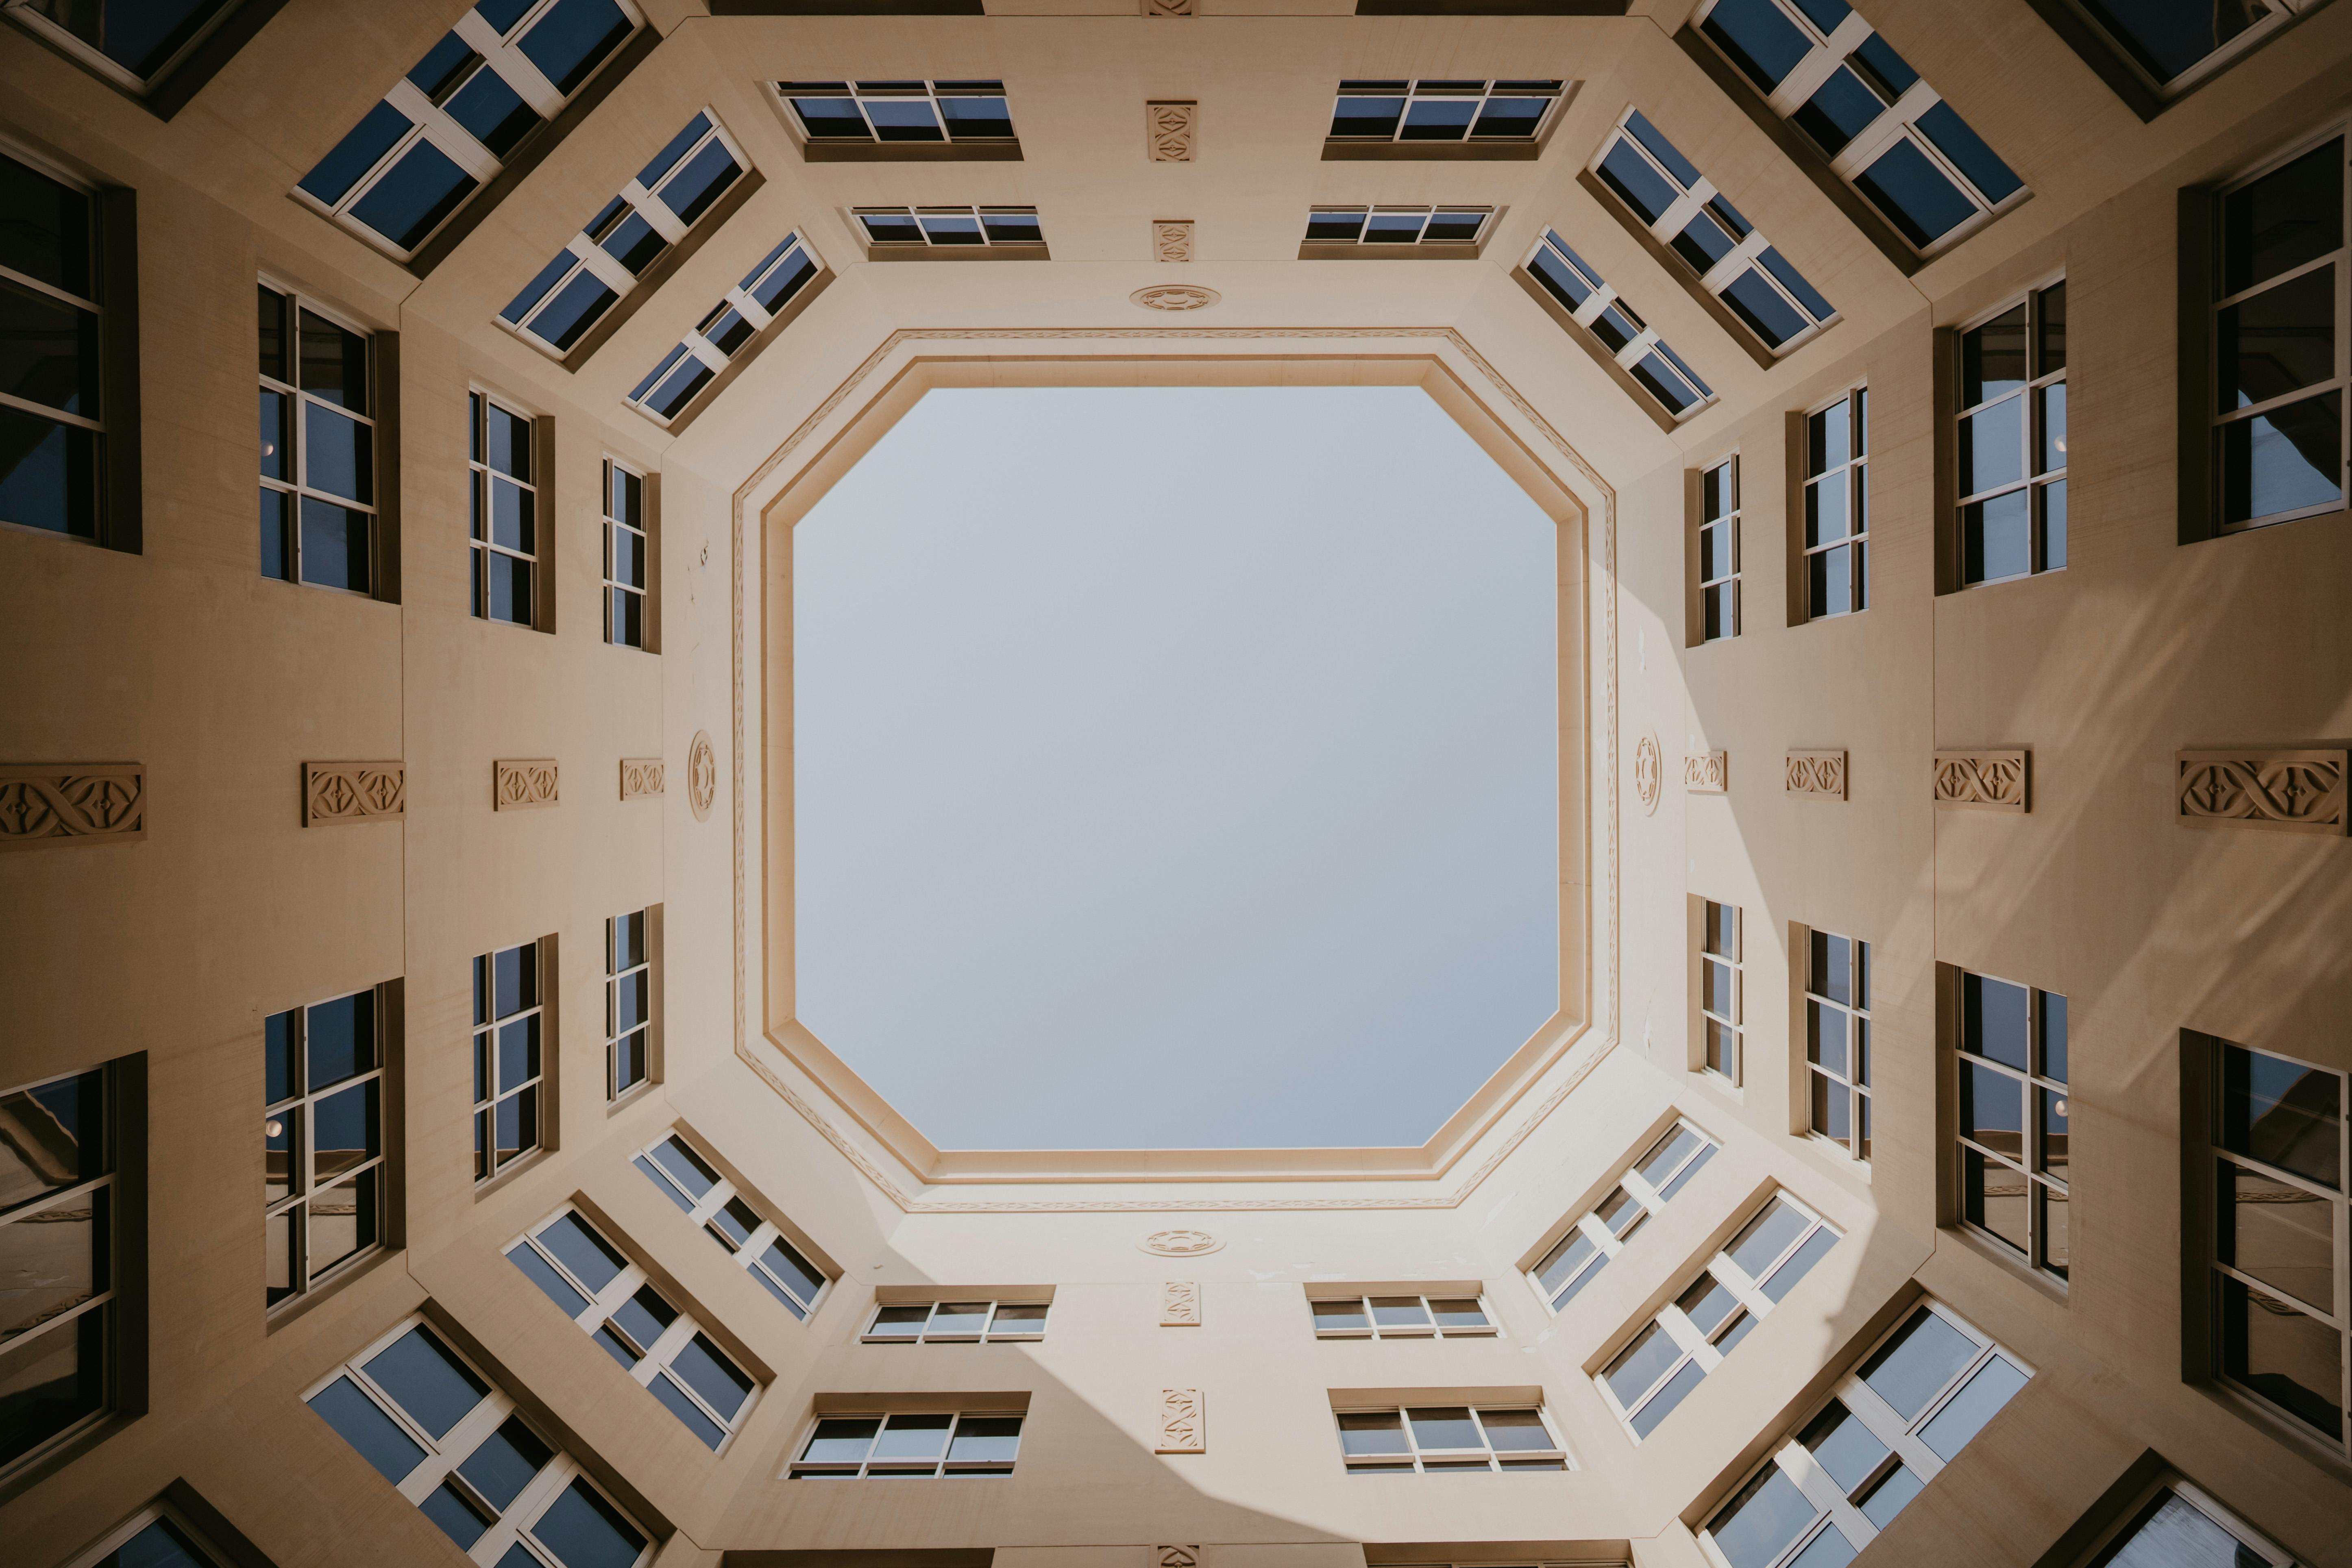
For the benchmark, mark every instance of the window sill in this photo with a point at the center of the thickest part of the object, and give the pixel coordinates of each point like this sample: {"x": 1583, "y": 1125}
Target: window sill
{"x": 301, "y": 1306}
{"x": 910, "y": 152}
{"x": 1837, "y": 1154}
{"x": 639, "y": 1093}
{"x": 2008, "y": 1262}
{"x": 506, "y": 1177}
{"x": 2285, "y": 1428}
{"x": 1414, "y": 252}
{"x": 1726, "y": 1087}
{"x": 1434, "y": 152}
{"x": 957, "y": 253}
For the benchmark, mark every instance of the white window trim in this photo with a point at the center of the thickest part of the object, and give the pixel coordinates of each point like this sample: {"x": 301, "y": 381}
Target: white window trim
{"x": 2196, "y": 1497}
{"x": 1746, "y": 253}
{"x": 2289, "y": 11}
{"x": 80, "y": 302}
{"x": 644, "y": 548}
{"x": 978, "y": 212}
{"x": 1855, "y": 475}
{"x": 484, "y": 1037}
{"x": 1601, "y": 297}
{"x": 297, "y": 1200}
{"x": 614, "y": 1092}
{"x": 48, "y": 32}
{"x": 1834, "y": 1506}
{"x": 710, "y": 355}
{"x": 1411, "y": 92}
{"x": 1452, "y": 1461}
{"x": 444, "y": 1453}
{"x": 2035, "y": 480}
{"x": 930, "y": 94}
{"x": 990, "y": 1335}
{"x": 81, "y": 1192}
{"x": 1694, "y": 1345}
{"x": 297, "y": 399}
{"x": 655, "y": 1359}
{"x": 1429, "y": 1329}
{"x": 1485, "y": 223}
{"x": 864, "y": 1470}
{"x": 1734, "y": 962}
{"x": 2029, "y": 1165}
{"x": 1652, "y": 1198}
{"x": 478, "y": 473}
{"x": 1858, "y": 1017}
{"x": 159, "y": 1511}
{"x": 747, "y": 1255}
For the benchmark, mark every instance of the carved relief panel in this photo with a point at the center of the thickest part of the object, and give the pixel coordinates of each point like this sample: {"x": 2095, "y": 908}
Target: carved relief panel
{"x": 353, "y": 791}
{"x": 1179, "y": 1304}
{"x": 1183, "y": 1426}
{"x": 2284, "y": 790}
{"x": 522, "y": 783}
{"x": 72, "y": 803}
{"x": 1708, "y": 773}
{"x": 1171, "y": 131}
{"x": 1983, "y": 781}
{"x": 1821, "y": 774}
{"x": 641, "y": 777}
{"x": 1172, "y": 239}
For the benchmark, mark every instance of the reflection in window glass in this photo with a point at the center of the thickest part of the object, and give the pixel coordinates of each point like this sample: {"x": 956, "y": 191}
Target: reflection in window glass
{"x": 1602, "y": 1233}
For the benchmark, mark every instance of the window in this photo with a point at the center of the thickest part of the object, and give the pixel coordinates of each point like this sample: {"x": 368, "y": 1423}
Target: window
{"x": 923, "y": 1443}
{"x": 1400, "y": 1317}
{"x": 2179, "y": 1527}
{"x": 1683, "y": 212}
{"x": 1673, "y": 1353}
{"x": 318, "y": 446}
{"x": 604, "y": 261}
{"x": 2172, "y": 47}
{"x": 58, "y": 1223}
{"x": 1837, "y": 1040}
{"x": 52, "y": 423}
{"x": 626, "y": 559}
{"x": 453, "y": 1444}
{"x": 1397, "y": 225}
{"x": 1719, "y": 983}
{"x": 130, "y": 43}
{"x": 1923, "y": 1391}
{"x": 950, "y": 226}
{"x": 899, "y": 114}
{"x": 1884, "y": 130}
{"x": 1443, "y": 1438}
{"x": 2279, "y": 356}
{"x": 2012, "y": 1119}
{"x": 2278, "y": 1274}
{"x": 157, "y": 1536}
{"x": 1717, "y": 556}
{"x": 506, "y": 512}
{"x": 322, "y": 1140}
{"x": 460, "y": 114}
{"x": 1424, "y": 114}
{"x": 508, "y": 1064}
{"x": 628, "y": 1002}
{"x": 662, "y": 1347}
{"x": 2011, "y": 443}
{"x": 745, "y": 311}
{"x": 1601, "y": 1234}
{"x": 757, "y": 1244}
{"x": 1631, "y": 343}
{"x": 1837, "y": 507}
{"x": 955, "y": 1323}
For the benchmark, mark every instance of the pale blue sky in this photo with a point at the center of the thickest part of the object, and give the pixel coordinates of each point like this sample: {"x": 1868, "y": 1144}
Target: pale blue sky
{"x": 1176, "y": 768}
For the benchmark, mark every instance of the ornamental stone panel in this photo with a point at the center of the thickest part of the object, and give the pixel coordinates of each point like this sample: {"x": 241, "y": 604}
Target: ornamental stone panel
{"x": 1172, "y": 130}
{"x": 1707, "y": 774}
{"x": 1818, "y": 773}
{"x": 1179, "y": 1304}
{"x": 2246, "y": 786}
{"x": 47, "y": 803}
{"x": 641, "y": 777}
{"x": 1983, "y": 781}
{"x": 522, "y": 784}
{"x": 1172, "y": 239}
{"x": 353, "y": 791}
{"x": 1183, "y": 1426}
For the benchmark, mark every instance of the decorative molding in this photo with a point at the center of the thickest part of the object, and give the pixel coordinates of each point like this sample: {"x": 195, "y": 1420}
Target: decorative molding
{"x": 2284, "y": 790}
{"x": 1647, "y": 769}
{"x": 353, "y": 791}
{"x": 1172, "y": 239}
{"x": 1985, "y": 781}
{"x": 1175, "y": 297}
{"x": 1179, "y": 1304}
{"x": 72, "y": 803}
{"x": 642, "y": 777}
{"x": 1707, "y": 773}
{"x": 1817, "y": 772}
{"x": 1183, "y": 1423}
{"x": 702, "y": 775}
{"x": 1171, "y": 131}
{"x": 1180, "y": 1243}
{"x": 1176, "y": 1557}
{"x": 1168, "y": 8}
{"x": 522, "y": 784}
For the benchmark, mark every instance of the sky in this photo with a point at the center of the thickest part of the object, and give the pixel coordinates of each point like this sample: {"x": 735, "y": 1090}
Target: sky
{"x": 1175, "y": 767}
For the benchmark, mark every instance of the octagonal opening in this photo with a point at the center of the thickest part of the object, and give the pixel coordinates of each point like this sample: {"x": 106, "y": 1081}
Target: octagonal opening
{"x": 1176, "y": 767}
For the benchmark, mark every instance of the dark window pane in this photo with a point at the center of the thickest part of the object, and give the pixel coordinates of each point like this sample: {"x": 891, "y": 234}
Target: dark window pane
{"x": 1439, "y": 119}
{"x": 338, "y": 453}
{"x": 271, "y": 313}
{"x": 579, "y": 306}
{"x": 589, "y": 1257}
{"x": 335, "y": 546}
{"x": 785, "y": 1262}
{"x": 276, "y": 535}
{"x": 1393, "y": 228}
{"x": 334, "y": 363}
{"x": 1992, "y": 358}
{"x": 493, "y": 113}
{"x": 2168, "y": 37}
{"x": 2282, "y": 338}
{"x": 1912, "y": 1368}
{"x": 46, "y": 233}
{"x": 628, "y": 618}
{"x": 583, "y": 1531}
{"x": 1510, "y": 117}
{"x": 517, "y": 1129}
{"x": 1839, "y": 110}
{"x": 160, "y": 1545}
{"x": 2172, "y": 1533}
{"x": 832, "y": 119}
{"x": 2295, "y": 1362}
{"x": 690, "y": 192}
{"x": 532, "y": 291}
{"x": 727, "y": 330}
{"x": 1759, "y": 304}
{"x": 410, "y": 201}
{"x": 445, "y": 64}
{"x": 1794, "y": 282}
{"x": 506, "y": 1462}
{"x": 1369, "y": 117}
{"x": 1887, "y": 71}
{"x": 1560, "y": 280}
{"x": 1703, "y": 243}
{"x": 1958, "y": 141}
{"x": 977, "y": 118}
{"x": 49, "y": 474}
{"x": 2282, "y": 1113}
{"x": 1629, "y": 174}
{"x": 511, "y": 522}
{"x": 1663, "y": 1403}
{"x": 277, "y": 453}
{"x": 685, "y": 1167}
{"x": 2287, "y": 218}
{"x": 2053, "y": 323}
{"x": 364, "y": 1426}
{"x": 1992, "y": 447}
{"x": 48, "y": 351}
{"x": 341, "y": 1038}
{"x": 573, "y": 39}
{"x": 1915, "y": 195}
{"x": 1640, "y": 1364}
{"x": 1992, "y": 1196}
{"x": 1662, "y": 383}
{"x": 455, "y": 1515}
{"x": 904, "y": 120}
{"x": 1997, "y": 538}
{"x": 356, "y": 153}
{"x": 2282, "y": 460}
{"x": 634, "y": 242}
{"x": 1010, "y": 226}
{"x": 346, "y": 1129}
{"x": 1766, "y": 1237}
{"x": 1843, "y": 1446}
{"x": 697, "y": 1420}
{"x": 427, "y": 1378}
{"x": 1756, "y": 37}
{"x": 785, "y": 282}
{"x": 1758, "y": 1525}
{"x": 542, "y": 1274}
{"x": 891, "y": 227}
{"x": 690, "y": 377}
{"x": 705, "y": 1368}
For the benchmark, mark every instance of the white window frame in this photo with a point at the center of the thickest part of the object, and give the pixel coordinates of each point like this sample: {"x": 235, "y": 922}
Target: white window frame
{"x": 1834, "y": 1507}
{"x": 2340, "y": 258}
{"x": 651, "y": 1360}
{"x": 160, "y": 1512}
{"x": 488, "y": 1166}
{"x": 479, "y": 474}
{"x": 747, "y": 1253}
{"x": 2286, "y": 14}
{"x": 707, "y": 353}
{"x": 302, "y": 1155}
{"x": 2031, "y": 1165}
{"x": 1646, "y": 1198}
{"x": 430, "y": 123}
{"x": 444, "y": 1455}
{"x": 1418, "y": 1460}
{"x": 98, "y": 242}
{"x": 1411, "y": 92}
{"x": 2110, "y": 1541}
{"x": 1367, "y": 1306}
{"x": 977, "y": 214}
{"x": 1735, "y": 984}
{"x": 2036, "y": 482}
{"x": 1854, "y": 475}
{"x": 1704, "y": 1348}
{"x": 614, "y": 1091}
{"x": 296, "y": 400}
{"x": 21, "y": 12}
{"x": 1896, "y": 123}
{"x": 84, "y": 1192}
{"x": 941, "y": 1467}
{"x": 1000, "y": 1328}
{"x": 643, "y": 530}
{"x": 1645, "y": 338}
{"x": 1859, "y": 1045}
{"x": 1747, "y": 253}
{"x": 929, "y": 90}
{"x": 1729, "y": 522}
{"x": 1485, "y": 216}
{"x": 590, "y": 257}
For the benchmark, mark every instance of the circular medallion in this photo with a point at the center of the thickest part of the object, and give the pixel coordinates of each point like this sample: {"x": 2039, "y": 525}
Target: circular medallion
{"x": 1180, "y": 1243}
{"x": 1175, "y": 297}
{"x": 1646, "y": 772}
{"x": 702, "y": 775}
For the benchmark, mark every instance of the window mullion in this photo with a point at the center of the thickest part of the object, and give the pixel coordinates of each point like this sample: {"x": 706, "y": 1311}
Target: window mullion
{"x": 1805, "y": 77}
{"x": 598, "y": 260}
{"x": 652, "y": 209}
